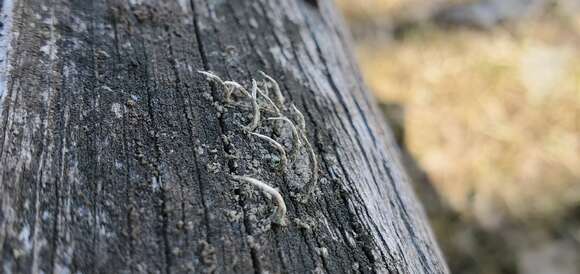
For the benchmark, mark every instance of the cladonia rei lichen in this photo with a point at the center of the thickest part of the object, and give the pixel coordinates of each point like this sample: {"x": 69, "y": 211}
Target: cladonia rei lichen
{"x": 272, "y": 110}
{"x": 279, "y": 216}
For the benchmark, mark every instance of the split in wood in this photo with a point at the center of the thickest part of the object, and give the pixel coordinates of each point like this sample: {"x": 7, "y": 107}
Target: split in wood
{"x": 279, "y": 216}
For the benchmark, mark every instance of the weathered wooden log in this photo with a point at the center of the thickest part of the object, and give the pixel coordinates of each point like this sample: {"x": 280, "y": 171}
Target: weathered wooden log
{"x": 117, "y": 156}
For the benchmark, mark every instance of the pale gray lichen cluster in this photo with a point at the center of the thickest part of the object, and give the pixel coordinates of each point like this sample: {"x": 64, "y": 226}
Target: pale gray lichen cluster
{"x": 271, "y": 110}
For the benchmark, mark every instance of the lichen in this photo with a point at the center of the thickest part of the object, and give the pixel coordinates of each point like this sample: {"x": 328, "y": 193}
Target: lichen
{"x": 263, "y": 108}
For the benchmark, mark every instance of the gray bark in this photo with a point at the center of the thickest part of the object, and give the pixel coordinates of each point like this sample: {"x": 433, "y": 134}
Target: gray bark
{"x": 116, "y": 156}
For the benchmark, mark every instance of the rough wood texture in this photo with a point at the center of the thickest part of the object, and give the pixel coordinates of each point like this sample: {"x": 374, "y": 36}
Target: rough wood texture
{"x": 116, "y": 156}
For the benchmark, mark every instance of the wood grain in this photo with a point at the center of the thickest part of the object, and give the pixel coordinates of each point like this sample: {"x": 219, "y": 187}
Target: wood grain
{"x": 116, "y": 156}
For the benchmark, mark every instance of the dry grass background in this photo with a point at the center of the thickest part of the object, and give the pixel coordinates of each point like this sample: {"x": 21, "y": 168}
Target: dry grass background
{"x": 493, "y": 118}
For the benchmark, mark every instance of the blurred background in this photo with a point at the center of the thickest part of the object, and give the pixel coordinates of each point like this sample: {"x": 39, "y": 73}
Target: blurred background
{"x": 484, "y": 97}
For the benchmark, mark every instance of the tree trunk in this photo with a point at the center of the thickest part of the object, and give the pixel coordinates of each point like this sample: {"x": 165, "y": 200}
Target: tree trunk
{"x": 117, "y": 156}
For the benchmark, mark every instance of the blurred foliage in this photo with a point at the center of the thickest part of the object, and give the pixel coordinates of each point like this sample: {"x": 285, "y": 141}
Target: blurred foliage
{"x": 490, "y": 121}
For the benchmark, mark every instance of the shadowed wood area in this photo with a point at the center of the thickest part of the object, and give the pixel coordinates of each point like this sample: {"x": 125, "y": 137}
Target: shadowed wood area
{"x": 117, "y": 156}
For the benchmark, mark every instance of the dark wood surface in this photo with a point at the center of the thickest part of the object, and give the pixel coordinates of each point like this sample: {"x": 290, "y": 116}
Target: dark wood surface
{"x": 116, "y": 156}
